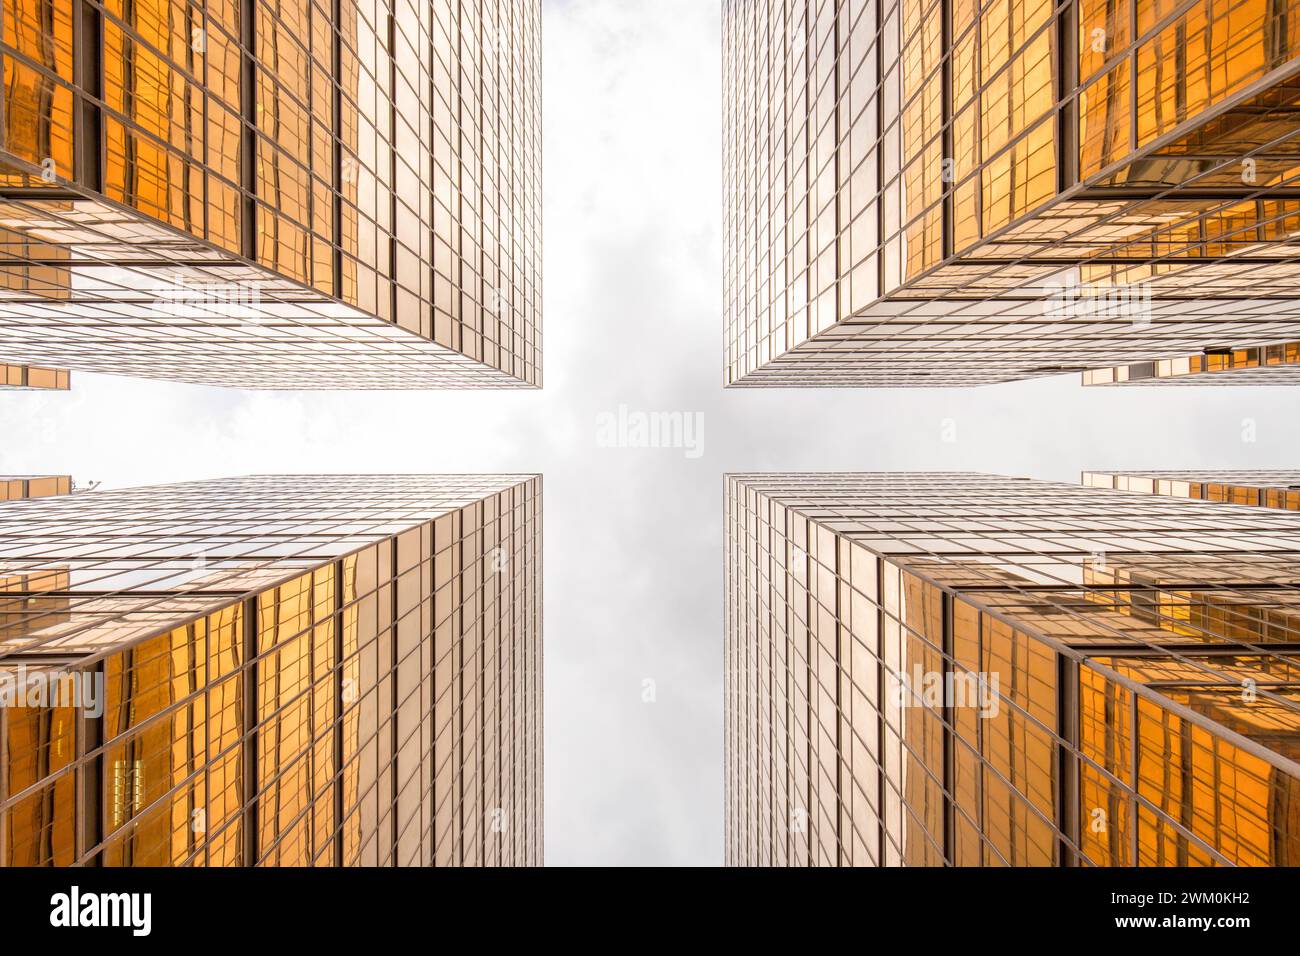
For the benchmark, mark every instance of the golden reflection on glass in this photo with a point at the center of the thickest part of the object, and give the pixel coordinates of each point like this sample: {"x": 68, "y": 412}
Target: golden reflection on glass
{"x": 377, "y": 703}
{"x": 910, "y": 186}
{"x": 946, "y": 669}
{"x": 345, "y": 209}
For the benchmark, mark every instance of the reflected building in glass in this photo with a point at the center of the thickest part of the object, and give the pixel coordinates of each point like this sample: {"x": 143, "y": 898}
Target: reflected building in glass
{"x": 25, "y": 377}
{"x": 303, "y": 194}
{"x": 968, "y": 670}
{"x": 1265, "y": 489}
{"x": 308, "y": 671}
{"x": 954, "y": 194}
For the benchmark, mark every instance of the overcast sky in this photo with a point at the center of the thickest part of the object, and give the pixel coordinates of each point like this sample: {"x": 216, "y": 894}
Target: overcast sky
{"x": 633, "y": 537}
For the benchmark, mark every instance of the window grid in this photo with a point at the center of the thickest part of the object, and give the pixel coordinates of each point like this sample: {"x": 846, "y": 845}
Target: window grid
{"x": 1117, "y": 633}
{"x": 332, "y": 670}
{"x": 909, "y": 185}
{"x": 291, "y": 193}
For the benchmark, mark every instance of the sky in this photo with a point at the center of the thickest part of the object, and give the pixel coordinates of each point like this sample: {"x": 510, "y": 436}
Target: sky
{"x": 632, "y": 317}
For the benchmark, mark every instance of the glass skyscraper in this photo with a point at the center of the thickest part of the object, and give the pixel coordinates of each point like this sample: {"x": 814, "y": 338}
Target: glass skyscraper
{"x": 305, "y": 670}
{"x": 300, "y": 194}
{"x": 951, "y": 193}
{"x": 968, "y": 670}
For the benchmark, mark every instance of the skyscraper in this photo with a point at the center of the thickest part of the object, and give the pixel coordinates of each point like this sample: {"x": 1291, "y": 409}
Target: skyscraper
{"x": 1267, "y": 489}
{"x": 958, "y": 194}
{"x": 301, "y": 194}
{"x": 332, "y": 670}
{"x": 944, "y": 669}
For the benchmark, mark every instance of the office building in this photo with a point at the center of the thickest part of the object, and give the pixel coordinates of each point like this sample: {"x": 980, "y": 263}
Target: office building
{"x": 954, "y": 194}
{"x": 275, "y": 671}
{"x": 329, "y": 194}
{"x": 970, "y": 670}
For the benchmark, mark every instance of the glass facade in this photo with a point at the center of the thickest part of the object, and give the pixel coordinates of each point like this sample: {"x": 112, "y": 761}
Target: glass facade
{"x": 1265, "y": 365}
{"x": 1266, "y": 489}
{"x": 308, "y": 671}
{"x": 301, "y": 194}
{"x": 939, "y": 192}
{"x": 20, "y": 585}
{"x": 952, "y": 669}
{"x": 26, "y": 376}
